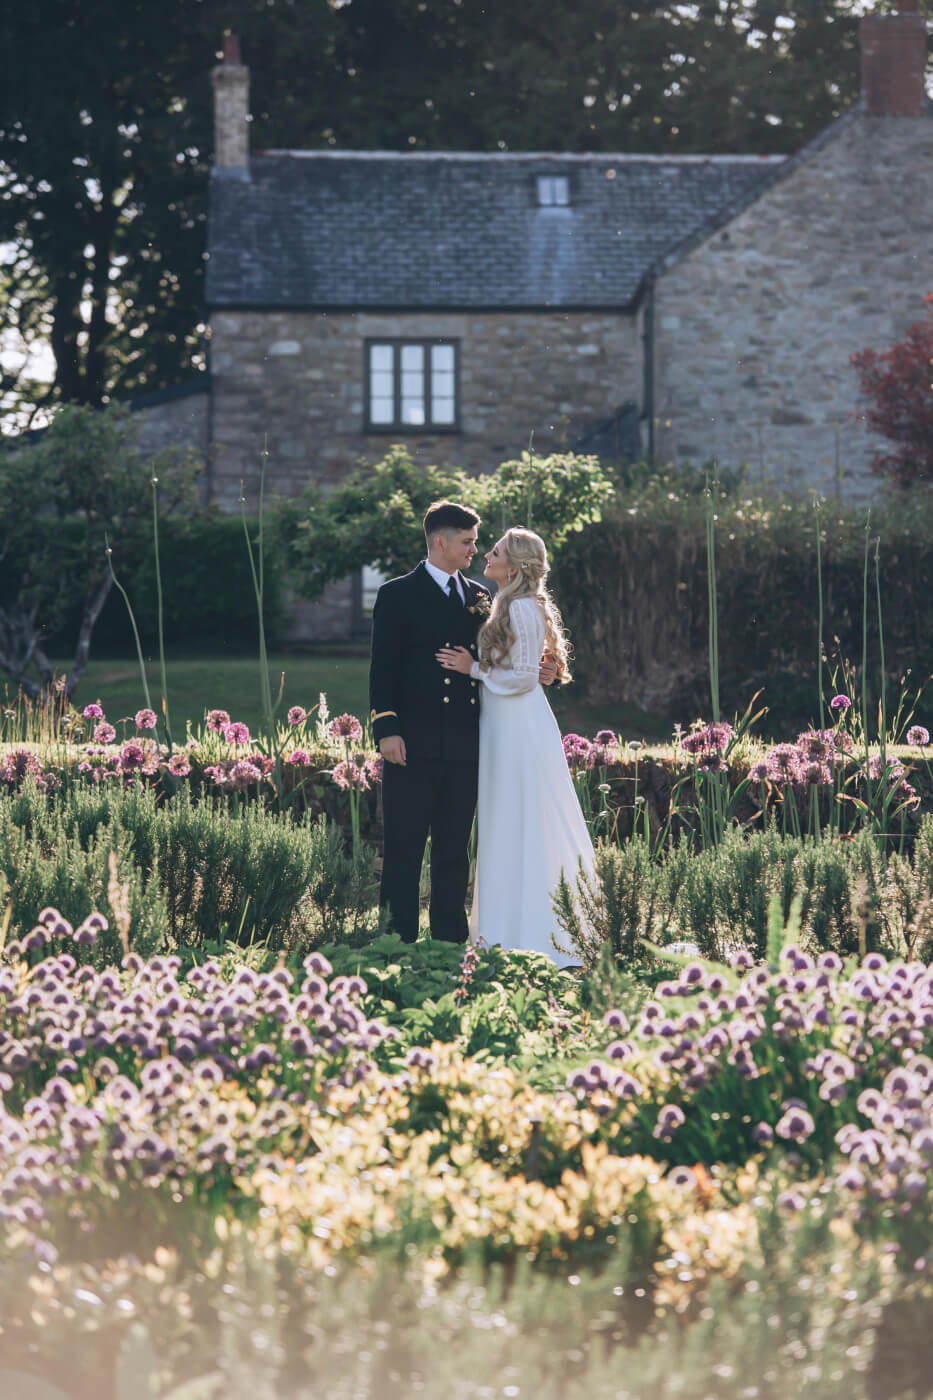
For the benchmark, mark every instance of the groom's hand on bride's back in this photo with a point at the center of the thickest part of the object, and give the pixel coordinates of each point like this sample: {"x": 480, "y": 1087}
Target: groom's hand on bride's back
{"x": 392, "y": 749}
{"x": 547, "y": 671}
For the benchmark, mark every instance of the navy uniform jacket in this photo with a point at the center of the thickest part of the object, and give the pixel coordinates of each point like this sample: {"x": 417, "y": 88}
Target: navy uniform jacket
{"x": 435, "y": 711}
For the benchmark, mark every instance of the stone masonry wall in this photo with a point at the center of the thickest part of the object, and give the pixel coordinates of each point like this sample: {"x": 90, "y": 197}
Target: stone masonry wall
{"x": 298, "y": 378}
{"x": 755, "y": 327}
{"x": 177, "y": 422}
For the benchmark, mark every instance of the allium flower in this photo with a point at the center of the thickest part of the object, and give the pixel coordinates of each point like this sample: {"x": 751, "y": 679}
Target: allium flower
{"x": 347, "y": 774}
{"x": 131, "y": 756}
{"x": 796, "y": 1125}
{"x": 758, "y": 772}
{"x": 236, "y": 733}
{"x": 299, "y": 758}
{"x": 92, "y": 712}
{"x": 763, "y": 1134}
{"x": 145, "y": 719}
{"x": 346, "y": 727}
{"x": 917, "y": 736}
{"x": 178, "y": 765}
{"x": 244, "y": 773}
{"x": 670, "y": 1118}
{"x": 576, "y": 749}
{"x": 708, "y": 739}
{"x": 607, "y": 738}
{"x": 216, "y": 719}
{"x": 374, "y": 768}
{"x": 840, "y": 703}
{"x": 104, "y": 734}
{"x": 783, "y": 763}
{"x": 297, "y": 715}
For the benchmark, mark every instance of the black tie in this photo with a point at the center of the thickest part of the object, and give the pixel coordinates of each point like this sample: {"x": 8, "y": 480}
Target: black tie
{"x": 454, "y": 591}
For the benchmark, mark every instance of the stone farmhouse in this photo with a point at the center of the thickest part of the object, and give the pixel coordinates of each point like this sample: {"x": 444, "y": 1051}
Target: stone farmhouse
{"x": 691, "y": 308}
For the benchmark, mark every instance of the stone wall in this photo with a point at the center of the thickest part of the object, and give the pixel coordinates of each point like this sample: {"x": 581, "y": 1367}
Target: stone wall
{"x": 755, "y": 327}
{"x": 298, "y": 378}
{"x": 179, "y": 418}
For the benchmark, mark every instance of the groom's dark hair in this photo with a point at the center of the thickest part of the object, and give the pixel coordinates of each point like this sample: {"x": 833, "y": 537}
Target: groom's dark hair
{"x": 447, "y": 515}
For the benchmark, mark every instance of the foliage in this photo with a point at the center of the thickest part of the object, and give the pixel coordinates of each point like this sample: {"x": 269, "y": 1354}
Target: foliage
{"x": 717, "y": 899}
{"x": 106, "y": 132}
{"x": 633, "y": 591}
{"x": 197, "y": 875}
{"x": 64, "y": 497}
{"x": 896, "y": 385}
{"x": 375, "y": 515}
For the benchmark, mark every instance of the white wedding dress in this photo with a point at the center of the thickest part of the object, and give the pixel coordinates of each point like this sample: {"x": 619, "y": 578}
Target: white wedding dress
{"x": 530, "y": 825}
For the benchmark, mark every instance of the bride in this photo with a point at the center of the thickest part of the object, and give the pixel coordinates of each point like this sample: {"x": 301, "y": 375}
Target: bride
{"x": 530, "y": 824}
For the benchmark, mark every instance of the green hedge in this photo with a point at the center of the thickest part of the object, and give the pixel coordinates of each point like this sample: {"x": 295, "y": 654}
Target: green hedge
{"x": 633, "y": 590}
{"x": 208, "y": 594}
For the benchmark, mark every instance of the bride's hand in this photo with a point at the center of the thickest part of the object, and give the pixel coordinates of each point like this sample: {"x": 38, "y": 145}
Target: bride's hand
{"x": 455, "y": 659}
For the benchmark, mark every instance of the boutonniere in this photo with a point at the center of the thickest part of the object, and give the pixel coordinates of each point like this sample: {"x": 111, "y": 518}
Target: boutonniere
{"x": 483, "y": 605}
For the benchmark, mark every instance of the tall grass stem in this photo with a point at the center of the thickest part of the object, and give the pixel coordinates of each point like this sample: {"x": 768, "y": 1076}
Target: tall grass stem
{"x": 129, "y": 608}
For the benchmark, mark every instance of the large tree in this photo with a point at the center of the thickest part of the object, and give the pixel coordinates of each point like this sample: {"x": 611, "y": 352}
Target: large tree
{"x": 106, "y": 131}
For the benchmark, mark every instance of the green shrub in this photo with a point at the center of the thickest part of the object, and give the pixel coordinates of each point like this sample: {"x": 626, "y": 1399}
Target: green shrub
{"x": 851, "y": 897}
{"x": 208, "y": 597}
{"x": 632, "y": 588}
{"x": 197, "y": 873}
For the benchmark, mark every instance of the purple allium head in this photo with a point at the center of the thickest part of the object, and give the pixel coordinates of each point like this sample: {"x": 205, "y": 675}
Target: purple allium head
{"x": 179, "y": 765}
{"x": 576, "y": 749}
{"x": 297, "y": 715}
{"x": 242, "y": 774}
{"x": 758, "y": 772}
{"x": 145, "y": 719}
{"x": 346, "y": 727}
{"x": 616, "y": 1020}
{"x": 742, "y": 959}
{"x": 299, "y": 758}
{"x": 131, "y": 756}
{"x": 670, "y": 1118}
{"x": 840, "y": 704}
{"x": 918, "y": 737}
{"x": 236, "y": 733}
{"x": 606, "y": 738}
{"x": 347, "y": 774}
{"x": 763, "y": 1134}
{"x": 783, "y": 763}
{"x": 796, "y": 1125}
{"x": 217, "y": 719}
{"x": 374, "y": 768}
{"x": 104, "y": 733}
{"x": 92, "y": 712}
{"x": 791, "y": 1201}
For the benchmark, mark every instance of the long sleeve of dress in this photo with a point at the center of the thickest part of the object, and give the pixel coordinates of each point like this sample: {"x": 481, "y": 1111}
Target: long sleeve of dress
{"x": 522, "y": 673}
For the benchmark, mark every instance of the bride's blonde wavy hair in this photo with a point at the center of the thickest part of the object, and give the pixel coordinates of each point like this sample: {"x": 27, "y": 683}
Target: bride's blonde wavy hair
{"x": 528, "y": 557}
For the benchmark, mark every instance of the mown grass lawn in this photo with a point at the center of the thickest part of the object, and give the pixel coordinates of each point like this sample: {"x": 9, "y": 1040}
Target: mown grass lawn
{"x": 231, "y": 682}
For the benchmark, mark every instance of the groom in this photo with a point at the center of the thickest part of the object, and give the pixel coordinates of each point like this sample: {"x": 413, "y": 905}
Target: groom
{"x": 426, "y": 723}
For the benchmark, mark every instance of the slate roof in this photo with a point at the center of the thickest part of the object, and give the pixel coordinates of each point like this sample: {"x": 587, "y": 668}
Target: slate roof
{"x": 387, "y": 231}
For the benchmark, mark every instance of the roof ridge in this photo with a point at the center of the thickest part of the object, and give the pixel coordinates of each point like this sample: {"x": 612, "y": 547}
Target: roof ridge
{"x": 581, "y": 156}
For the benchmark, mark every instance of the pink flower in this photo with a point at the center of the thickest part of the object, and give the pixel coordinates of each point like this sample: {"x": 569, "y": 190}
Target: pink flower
{"x": 131, "y": 756}
{"x": 297, "y": 715}
{"x": 104, "y": 733}
{"x": 840, "y": 703}
{"x": 348, "y": 774}
{"x": 374, "y": 767}
{"x": 243, "y": 773}
{"x": 216, "y": 719}
{"x": 918, "y": 737}
{"x": 299, "y": 758}
{"x": 236, "y": 733}
{"x": 92, "y": 712}
{"x": 178, "y": 765}
{"x": 345, "y": 727}
{"x": 145, "y": 719}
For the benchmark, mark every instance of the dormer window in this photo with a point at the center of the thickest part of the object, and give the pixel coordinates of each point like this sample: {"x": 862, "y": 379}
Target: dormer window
{"x": 553, "y": 191}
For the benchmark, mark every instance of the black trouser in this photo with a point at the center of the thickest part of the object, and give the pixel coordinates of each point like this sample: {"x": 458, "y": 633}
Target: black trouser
{"x": 418, "y": 798}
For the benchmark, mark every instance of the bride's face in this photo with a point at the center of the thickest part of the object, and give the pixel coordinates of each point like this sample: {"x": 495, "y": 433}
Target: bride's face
{"x": 499, "y": 567}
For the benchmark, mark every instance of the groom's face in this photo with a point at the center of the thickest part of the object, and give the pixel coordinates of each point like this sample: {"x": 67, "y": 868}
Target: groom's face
{"x": 455, "y": 549}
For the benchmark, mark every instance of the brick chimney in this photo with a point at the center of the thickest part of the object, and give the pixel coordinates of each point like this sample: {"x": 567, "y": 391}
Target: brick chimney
{"x": 894, "y": 55}
{"x": 231, "y": 108}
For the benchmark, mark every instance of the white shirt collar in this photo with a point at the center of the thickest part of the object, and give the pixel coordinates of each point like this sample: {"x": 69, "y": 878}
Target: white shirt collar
{"x": 441, "y": 579}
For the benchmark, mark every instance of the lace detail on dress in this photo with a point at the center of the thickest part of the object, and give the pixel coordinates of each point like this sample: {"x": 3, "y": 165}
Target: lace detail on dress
{"x": 522, "y": 674}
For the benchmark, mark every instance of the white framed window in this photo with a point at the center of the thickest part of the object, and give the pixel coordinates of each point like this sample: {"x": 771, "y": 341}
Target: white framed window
{"x": 553, "y": 191}
{"x": 412, "y": 385}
